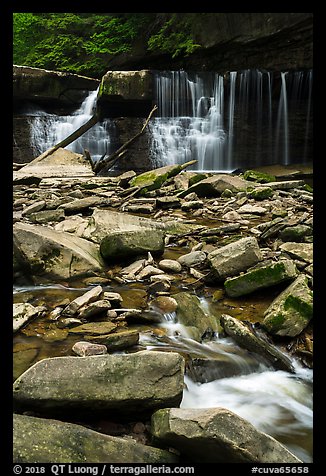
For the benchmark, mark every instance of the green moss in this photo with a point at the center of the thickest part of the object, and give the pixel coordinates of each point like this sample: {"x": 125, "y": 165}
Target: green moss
{"x": 196, "y": 178}
{"x": 305, "y": 309}
{"x": 260, "y": 177}
{"x": 261, "y": 193}
{"x": 274, "y": 322}
{"x": 308, "y": 188}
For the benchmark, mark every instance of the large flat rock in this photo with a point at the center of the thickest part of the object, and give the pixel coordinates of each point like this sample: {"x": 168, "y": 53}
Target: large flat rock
{"x": 39, "y": 440}
{"x": 61, "y": 163}
{"x": 120, "y": 383}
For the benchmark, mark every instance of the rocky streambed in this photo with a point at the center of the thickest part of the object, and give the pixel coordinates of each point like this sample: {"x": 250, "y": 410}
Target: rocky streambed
{"x": 151, "y": 307}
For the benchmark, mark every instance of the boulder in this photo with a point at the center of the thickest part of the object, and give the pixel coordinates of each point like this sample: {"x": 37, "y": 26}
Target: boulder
{"x": 215, "y": 185}
{"x": 256, "y": 176}
{"x": 51, "y": 441}
{"x": 246, "y": 336}
{"x": 233, "y": 258}
{"x": 194, "y": 258}
{"x": 216, "y": 435}
{"x": 191, "y": 313}
{"x": 94, "y": 328}
{"x": 119, "y": 383}
{"x": 103, "y": 223}
{"x": 116, "y": 340}
{"x": 291, "y": 311}
{"x": 170, "y": 266}
{"x": 265, "y": 274}
{"x": 53, "y": 254}
{"x": 72, "y": 308}
{"x": 260, "y": 193}
{"x": 295, "y": 233}
{"x": 85, "y": 349}
{"x": 131, "y": 243}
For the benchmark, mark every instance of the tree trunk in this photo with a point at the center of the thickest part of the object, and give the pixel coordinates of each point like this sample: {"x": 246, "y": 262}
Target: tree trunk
{"x": 117, "y": 154}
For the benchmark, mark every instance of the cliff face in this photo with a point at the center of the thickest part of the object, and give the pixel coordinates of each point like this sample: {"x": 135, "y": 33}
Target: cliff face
{"x": 233, "y": 41}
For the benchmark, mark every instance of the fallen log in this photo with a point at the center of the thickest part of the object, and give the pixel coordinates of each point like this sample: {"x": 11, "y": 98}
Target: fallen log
{"x": 110, "y": 160}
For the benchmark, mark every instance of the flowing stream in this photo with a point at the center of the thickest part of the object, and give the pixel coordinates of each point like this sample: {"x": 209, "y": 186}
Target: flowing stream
{"x": 221, "y": 373}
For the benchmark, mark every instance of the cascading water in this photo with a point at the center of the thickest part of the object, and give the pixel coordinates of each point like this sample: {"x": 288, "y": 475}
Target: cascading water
{"x": 49, "y": 129}
{"x": 242, "y": 119}
{"x": 274, "y": 401}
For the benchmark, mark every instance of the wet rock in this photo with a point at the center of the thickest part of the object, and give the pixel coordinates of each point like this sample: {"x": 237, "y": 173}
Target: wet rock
{"x": 149, "y": 271}
{"x": 85, "y": 349}
{"x": 117, "y": 340}
{"x": 170, "y": 265}
{"x": 302, "y": 251}
{"x": 114, "y": 298}
{"x": 167, "y": 202}
{"x": 148, "y": 315}
{"x": 291, "y": 311}
{"x": 56, "y": 255}
{"x": 82, "y": 300}
{"x": 194, "y": 258}
{"x": 72, "y": 224}
{"x": 190, "y": 312}
{"x": 127, "y": 383}
{"x": 192, "y": 205}
{"x": 285, "y": 185}
{"x": 167, "y": 304}
{"x": 45, "y": 441}
{"x": 263, "y": 275}
{"x": 216, "y": 435}
{"x": 127, "y": 244}
{"x": 24, "y": 313}
{"x": 94, "y": 328}
{"x": 245, "y": 336}
{"x": 272, "y": 228}
{"x": 94, "y": 309}
{"x": 235, "y": 257}
{"x": 133, "y": 268}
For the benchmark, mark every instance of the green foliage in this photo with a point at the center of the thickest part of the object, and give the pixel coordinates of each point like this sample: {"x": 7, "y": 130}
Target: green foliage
{"x": 175, "y": 37}
{"x": 85, "y": 43}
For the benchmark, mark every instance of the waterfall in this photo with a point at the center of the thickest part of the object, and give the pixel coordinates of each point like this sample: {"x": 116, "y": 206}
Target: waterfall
{"x": 242, "y": 119}
{"x": 49, "y": 129}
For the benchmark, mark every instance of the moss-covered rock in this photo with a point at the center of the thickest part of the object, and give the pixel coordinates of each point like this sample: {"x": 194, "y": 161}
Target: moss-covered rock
{"x": 260, "y": 193}
{"x": 128, "y": 85}
{"x": 290, "y": 313}
{"x": 261, "y": 276}
{"x": 295, "y": 233}
{"x": 261, "y": 177}
{"x": 191, "y": 313}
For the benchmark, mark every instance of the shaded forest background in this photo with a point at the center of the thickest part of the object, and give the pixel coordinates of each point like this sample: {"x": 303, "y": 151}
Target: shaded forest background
{"x": 86, "y": 43}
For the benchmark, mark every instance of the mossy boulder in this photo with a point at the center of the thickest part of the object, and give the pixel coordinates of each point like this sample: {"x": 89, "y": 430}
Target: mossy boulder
{"x": 261, "y": 177}
{"x": 127, "y": 85}
{"x": 263, "y": 275}
{"x": 290, "y": 313}
{"x": 51, "y": 441}
{"x": 191, "y": 313}
{"x": 260, "y": 193}
{"x": 215, "y": 185}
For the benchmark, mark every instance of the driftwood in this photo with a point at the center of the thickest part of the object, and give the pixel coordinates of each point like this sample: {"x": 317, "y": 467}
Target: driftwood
{"x": 75, "y": 135}
{"x": 109, "y": 161}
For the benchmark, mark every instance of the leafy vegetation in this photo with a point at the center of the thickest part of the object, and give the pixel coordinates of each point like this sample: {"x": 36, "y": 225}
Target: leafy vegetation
{"x": 85, "y": 43}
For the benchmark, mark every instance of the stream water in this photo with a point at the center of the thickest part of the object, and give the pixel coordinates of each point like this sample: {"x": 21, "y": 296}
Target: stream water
{"x": 197, "y": 121}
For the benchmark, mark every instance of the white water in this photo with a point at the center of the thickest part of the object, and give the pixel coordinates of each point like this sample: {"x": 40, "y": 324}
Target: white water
{"x": 230, "y": 121}
{"x": 49, "y": 129}
{"x": 274, "y": 401}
